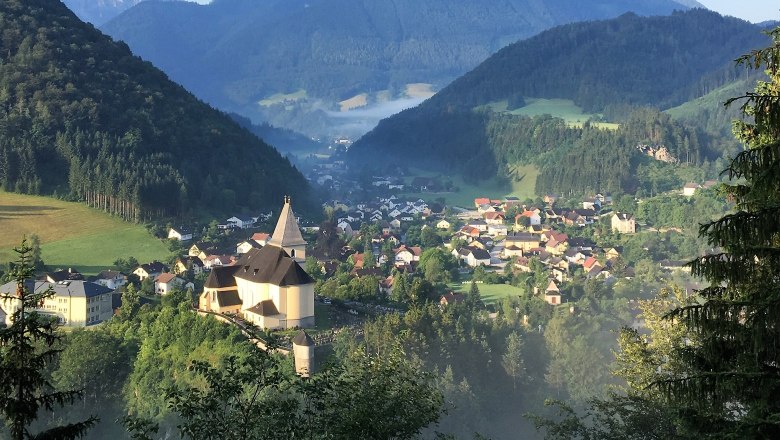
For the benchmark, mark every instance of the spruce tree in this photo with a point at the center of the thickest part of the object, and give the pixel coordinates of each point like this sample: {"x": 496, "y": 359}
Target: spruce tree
{"x": 28, "y": 346}
{"x": 730, "y": 384}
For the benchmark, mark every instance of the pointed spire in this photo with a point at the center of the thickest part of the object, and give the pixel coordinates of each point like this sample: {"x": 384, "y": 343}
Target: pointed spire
{"x": 287, "y": 233}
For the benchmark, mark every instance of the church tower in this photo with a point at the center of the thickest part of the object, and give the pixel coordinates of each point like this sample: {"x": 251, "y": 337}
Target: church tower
{"x": 287, "y": 235}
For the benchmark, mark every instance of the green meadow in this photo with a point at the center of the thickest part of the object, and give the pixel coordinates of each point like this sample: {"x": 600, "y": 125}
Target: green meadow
{"x": 72, "y": 234}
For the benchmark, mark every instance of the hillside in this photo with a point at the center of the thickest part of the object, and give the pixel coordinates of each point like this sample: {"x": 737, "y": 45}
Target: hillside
{"x": 607, "y": 68}
{"x": 237, "y": 53}
{"x": 83, "y": 116}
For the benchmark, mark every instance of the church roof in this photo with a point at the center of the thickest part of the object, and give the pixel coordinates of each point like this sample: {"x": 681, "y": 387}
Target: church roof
{"x": 228, "y": 298}
{"x": 220, "y": 277}
{"x": 272, "y": 265}
{"x": 264, "y": 308}
{"x": 287, "y": 232}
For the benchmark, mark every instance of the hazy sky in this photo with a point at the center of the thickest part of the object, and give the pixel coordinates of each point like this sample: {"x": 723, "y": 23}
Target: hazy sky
{"x": 751, "y": 10}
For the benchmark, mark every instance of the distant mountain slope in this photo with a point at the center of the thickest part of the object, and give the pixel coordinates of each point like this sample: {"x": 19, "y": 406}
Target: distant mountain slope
{"x": 235, "y": 53}
{"x": 81, "y": 116}
{"x": 607, "y": 65}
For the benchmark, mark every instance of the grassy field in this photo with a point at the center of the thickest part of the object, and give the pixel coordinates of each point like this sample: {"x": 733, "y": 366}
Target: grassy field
{"x": 72, "y": 234}
{"x": 565, "y": 109}
{"x": 712, "y": 100}
{"x": 523, "y": 181}
{"x": 490, "y": 293}
{"x": 279, "y": 98}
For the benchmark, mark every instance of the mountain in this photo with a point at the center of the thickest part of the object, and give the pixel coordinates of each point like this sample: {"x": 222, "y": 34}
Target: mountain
{"x": 284, "y": 60}
{"x": 605, "y": 68}
{"x": 82, "y": 117}
{"x": 281, "y": 138}
{"x": 98, "y": 12}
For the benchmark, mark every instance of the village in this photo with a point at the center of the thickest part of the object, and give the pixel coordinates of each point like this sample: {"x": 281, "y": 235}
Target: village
{"x": 372, "y": 257}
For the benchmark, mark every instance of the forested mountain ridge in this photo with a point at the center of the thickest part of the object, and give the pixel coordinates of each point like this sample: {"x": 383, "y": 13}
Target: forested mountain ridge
{"x": 81, "y": 115}
{"x": 610, "y": 67}
{"x": 235, "y": 53}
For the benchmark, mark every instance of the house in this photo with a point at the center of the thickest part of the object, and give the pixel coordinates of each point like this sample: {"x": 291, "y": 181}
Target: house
{"x": 261, "y": 238}
{"x": 613, "y": 252}
{"x": 180, "y": 233}
{"x": 184, "y": 264}
{"x": 451, "y": 298}
{"x": 407, "y": 254}
{"x": 245, "y": 246}
{"x": 213, "y": 261}
{"x": 590, "y": 263}
{"x": 522, "y": 240}
{"x": 532, "y": 215}
{"x": 593, "y": 203}
{"x": 199, "y": 250}
{"x": 690, "y": 189}
{"x": 496, "y": 230}
{"x": 266, "y": 286}
{"x": 494, "y": 218}
{"x": 241, "y": 222}
{"x": 346, "y": 228}
{"x": 552, "y": 295}
{"x": 473, "y": 256}
{"x": 111, "y": 279}
{"x": 468, "y": 233}
{"x": 523, "y": 264}
{"x": 443, "y": 224}
{"x": 68, "y": 274}
{"x": 74, "y": 303}
{"x": 623, "y": 223}
{"x": 479, "y": 201}
{"x": 395, "y": 224}
{"x": 165, "y": 282}
{"x": 479, "y": 224}
{"x": 512, "y": 251}
{"x": 147, "y": 270}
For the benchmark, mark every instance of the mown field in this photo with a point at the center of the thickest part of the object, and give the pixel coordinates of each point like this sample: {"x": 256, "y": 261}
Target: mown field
{"x": 565, "y": 109}
{"x": 490, "y": 293}
{"x": 72, "y": 234}
{"x": 523, "y": 181}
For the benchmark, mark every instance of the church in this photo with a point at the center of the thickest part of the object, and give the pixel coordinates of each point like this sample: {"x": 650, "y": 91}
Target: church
{"x": 266, "y": 286}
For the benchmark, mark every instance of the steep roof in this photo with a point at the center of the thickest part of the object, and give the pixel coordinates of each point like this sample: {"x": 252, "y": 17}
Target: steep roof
{"x": 303, "y": 339}
{"x": 228, "y": 298}
{"x": 165, "y": 278}
{"x": 287, "y": 232}
{"x": 271, "y": 264}
{"x": 264, "y": 308}
{"x": 221, "y": 277}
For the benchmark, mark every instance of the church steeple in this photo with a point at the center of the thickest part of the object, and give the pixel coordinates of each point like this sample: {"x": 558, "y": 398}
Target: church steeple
{"x": 287, "y": 235}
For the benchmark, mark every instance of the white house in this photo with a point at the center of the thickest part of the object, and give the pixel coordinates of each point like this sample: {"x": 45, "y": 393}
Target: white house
{"x": 166, "y": 282}
{"x": 180, "y": 233}
{"x": 407, "y": 254}
{"x": 623, "y": 223}
{"x": 111, "y": 279}
{"x": 443, "y": 224}
{"x": 243, "y": 222}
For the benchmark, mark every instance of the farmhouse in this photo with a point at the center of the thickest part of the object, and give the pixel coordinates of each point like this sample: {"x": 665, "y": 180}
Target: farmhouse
{"x": 266, "y": 286}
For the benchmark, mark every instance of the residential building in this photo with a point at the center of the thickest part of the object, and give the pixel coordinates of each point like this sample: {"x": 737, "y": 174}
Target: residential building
{"x": 73, "y": 303}
{"x": 180, "y": 233}
{"x": 624, "y": 223}
{"x": 165, "y": 282}
{"x": 111, "y": 279}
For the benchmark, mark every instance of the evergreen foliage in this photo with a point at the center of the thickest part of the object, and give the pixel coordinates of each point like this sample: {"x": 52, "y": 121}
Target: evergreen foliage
{"x": 27, "y": 347}
{"x": 235, "y": 53}
{"x": 731, "y": 375}
{"x": 80, "y": 115}
{"x": 624, "y": 68}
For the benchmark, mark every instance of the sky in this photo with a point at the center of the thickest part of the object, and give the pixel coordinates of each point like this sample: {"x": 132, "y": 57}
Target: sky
{"x": 751, "y": 10}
